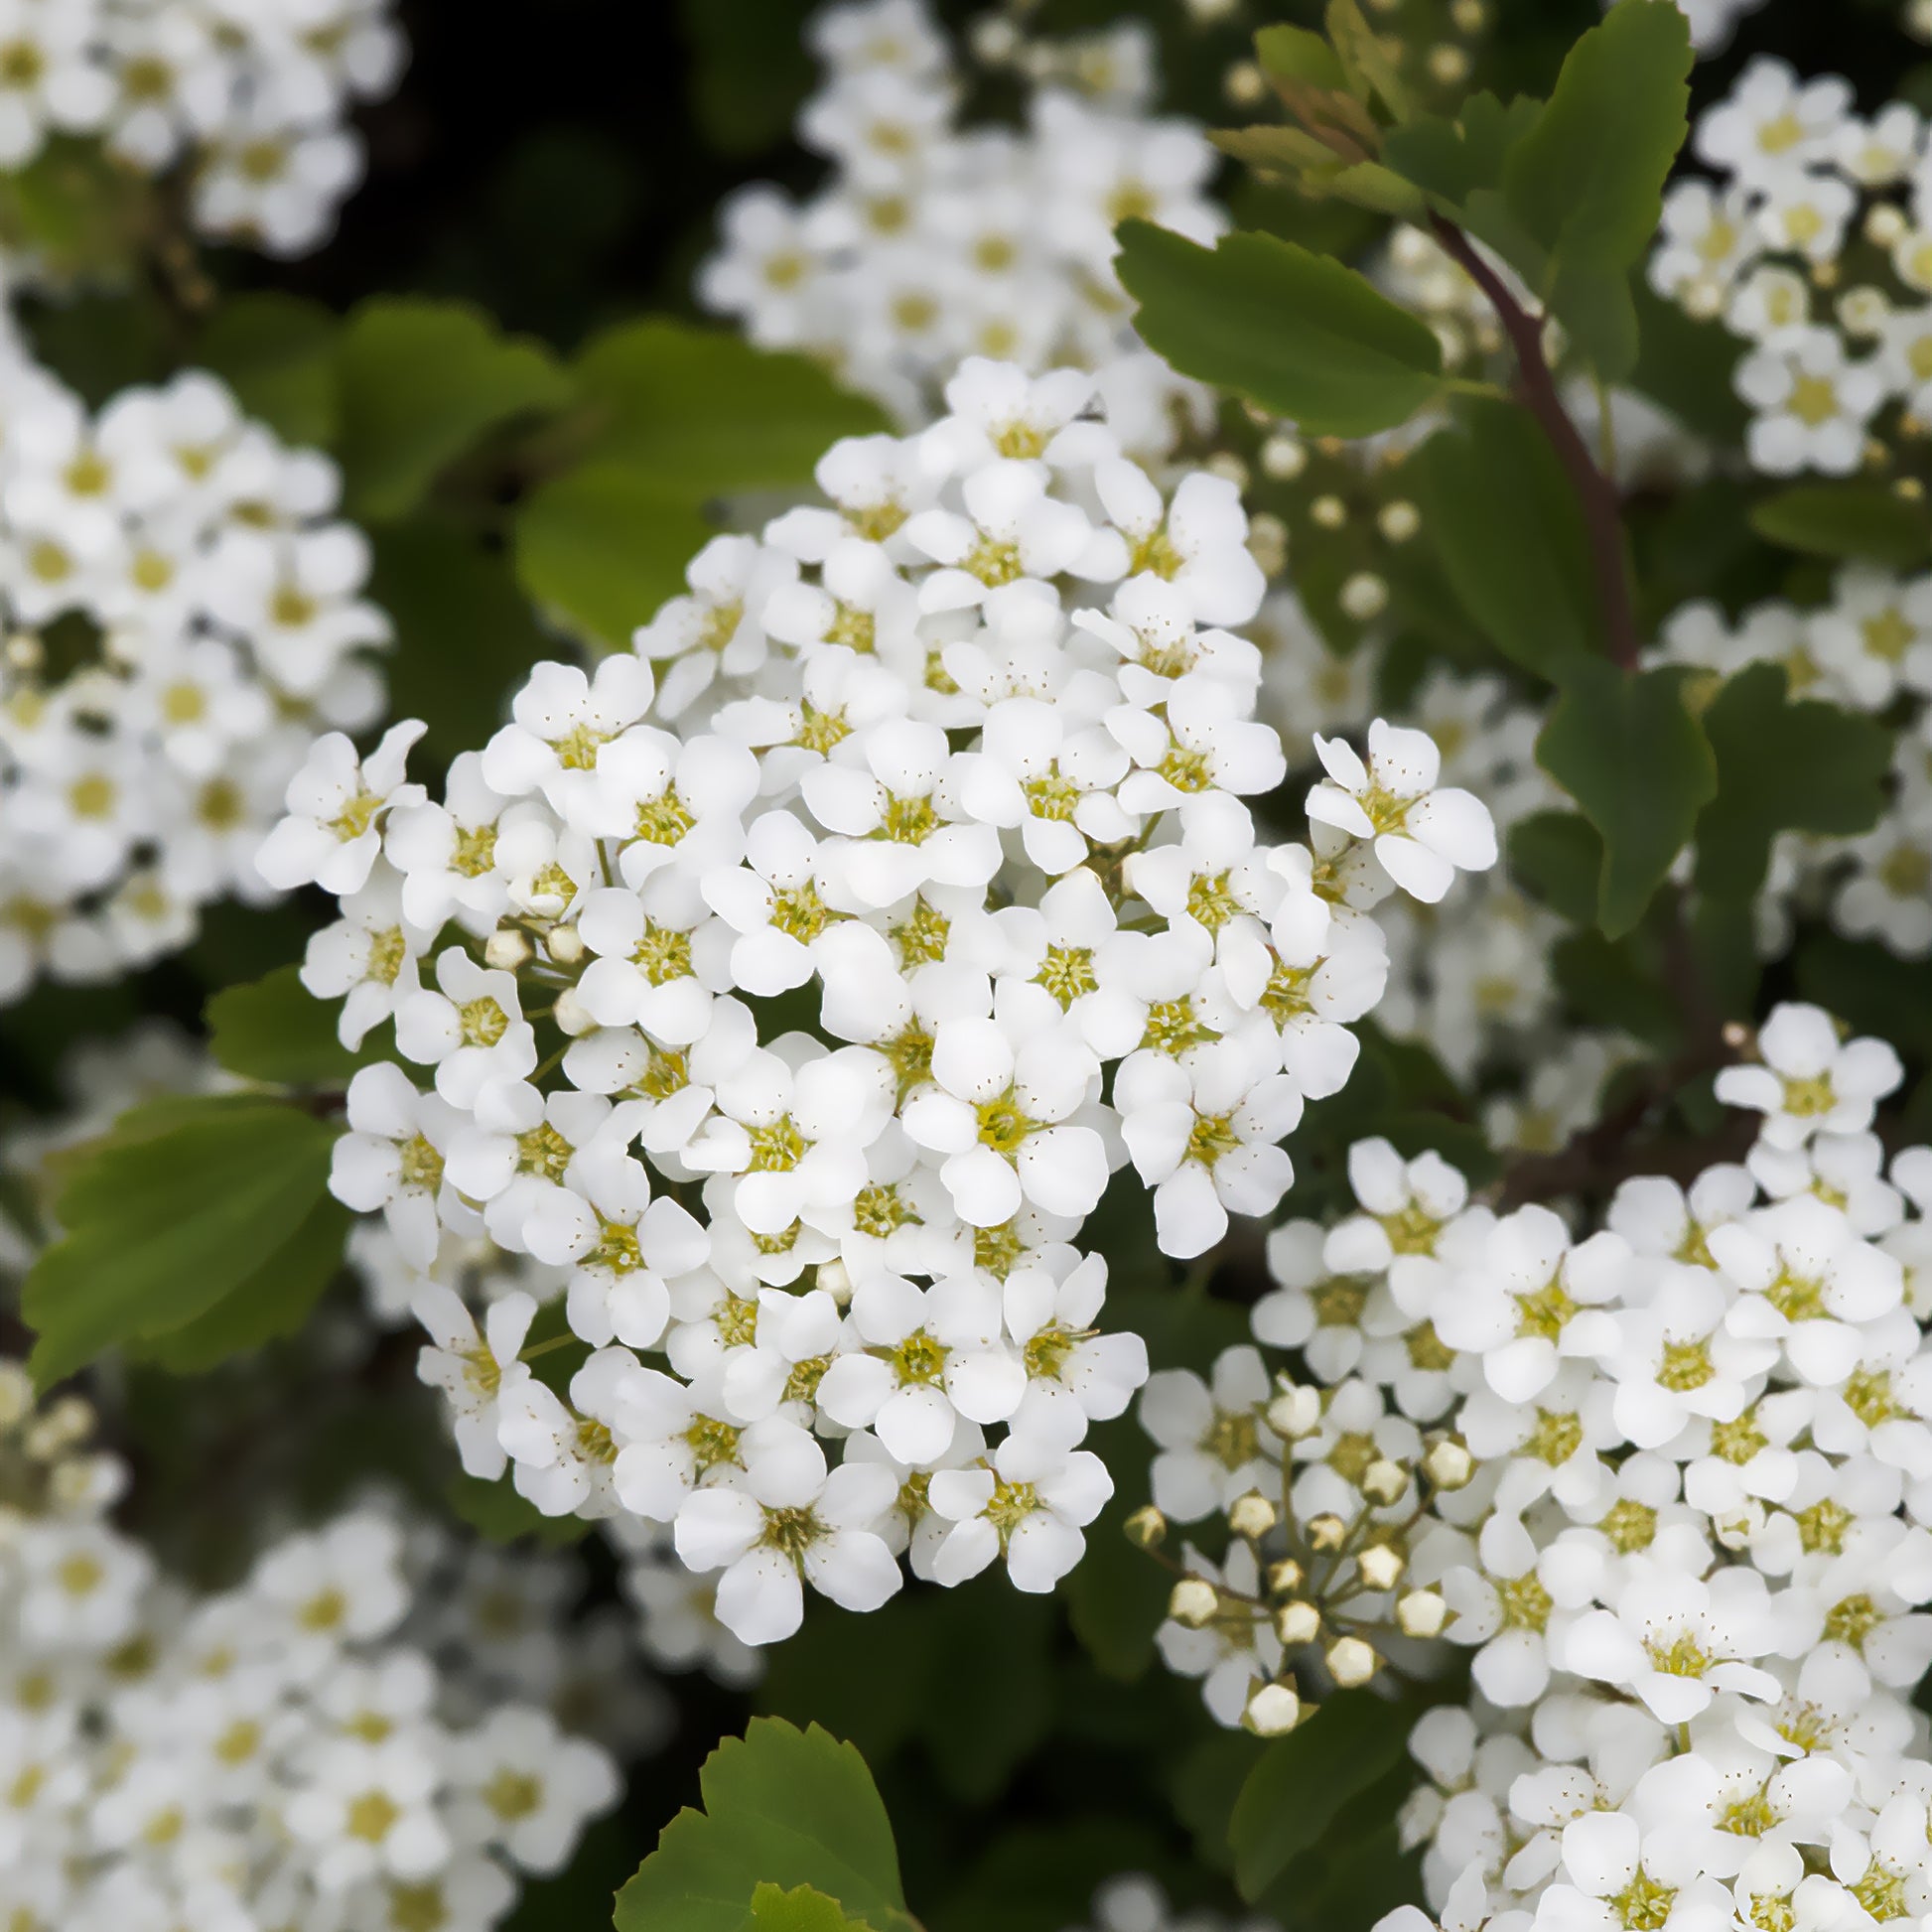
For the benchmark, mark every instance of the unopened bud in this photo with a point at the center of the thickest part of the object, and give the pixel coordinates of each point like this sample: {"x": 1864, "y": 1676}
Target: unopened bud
{"x": 831, "y": 1276}
{"x": 1284, "y": 457}
{"x": 1330, "y": 512}
{"x": 1273, "y": 1711}
{"x": 565, "y": 945}
{"x": 994, "y": 41}
{"x": 1421, "y": 1613}
{"x": 1886, "y": 224}
{"x": 505, "y": 949}
{"x": 1298, "y": 1622}
{"x": 1351, "y": 1662}
{"x": 1294, "y": 1413}
{"x": 25, "y": 652}
{"x": 1449, "y": 64}
{"x": 1448, "y": 1464}
{"x": 1363, "y": 596}
{"x": 1252, "y": 1515}
{"x": 1328, "y": 1531}
{"x": 1193, "y": 1602}
{"x": 1383, "y": 1482}
{"x": 1467, "y": 15}
{"x": 16, "y": 1394}
{"x": 1268, "y": 542}
{"x": 1283, "y": 1576}
{"x": 1380, "y": 1565}
{"x": 1147, "y": 1528}
{"x": 1400, "y": 520}
{"x": 572, "y": 1015}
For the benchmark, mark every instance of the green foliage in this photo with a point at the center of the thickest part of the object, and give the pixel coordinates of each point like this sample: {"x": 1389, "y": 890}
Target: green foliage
{"x": 421, "y": 381}
{"x": 1847, "y": 519}
{"x": 277, "y": 352}
{"x": 1782, "y": 765}
{"x": 1625, "y": 748}
{"x": 499, "y": 1515}
{"x": 1558, "y": 857}
{"x": 749, "y": 70}
{"x": 275, "y": 1030}
{"x": 782, "y": 1807}
{"x": 1505, "y": 526}
{"x": 600, "y": 549}
{"x": 1293, "y": 332}
{"x": 203, "y": 1214}
{"x": 799, "y": 1910}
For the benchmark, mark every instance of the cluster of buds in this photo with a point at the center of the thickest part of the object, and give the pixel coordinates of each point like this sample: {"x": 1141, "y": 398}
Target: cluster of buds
{"x": 45, "y": 1465}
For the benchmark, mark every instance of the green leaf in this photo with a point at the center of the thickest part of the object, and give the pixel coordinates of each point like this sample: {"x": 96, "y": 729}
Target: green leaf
{"x": 1293, "y": 332}
{"x": 466, "y": 634}
{"x": 799, "y": 1910}
{"x": 1558, "y": 857}
{"x": 749, "y": 69}
{"x": 1298, "y": 55}
{"x": 1302, "y": 1782}
{"x": 1506, "y": 527}
{"x": 1686, "y": 366}
{"x": 1782, "y": 765}
{"x": 1850, "y": 519}
{"x": 705, "y": 414}
{"x": 277, "y": 352}
{"x": 497, "y": 1513}
{"x": 1586, "y": 181}
{"x": 1623, "y": 746}
{"x": 1607, "y": 984}
{"x": 275, "y": 1030}
{"x": 603, "y": 547}
{"x": 1870, "y": 987}
{"x": 170, "y": 1214}
{"x": 1452, "y": 158}
{"x": 781, "y": 1806}
{"x": 1359, "y": 50}
{"x": 421, "y": 383}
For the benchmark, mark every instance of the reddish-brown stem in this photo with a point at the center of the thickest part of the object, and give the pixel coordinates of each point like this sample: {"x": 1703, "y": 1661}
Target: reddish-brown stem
{"x": 1596, "y": 493}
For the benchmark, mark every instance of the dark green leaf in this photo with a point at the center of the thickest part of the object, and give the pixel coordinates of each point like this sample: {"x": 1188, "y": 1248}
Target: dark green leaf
{"x": 783, "y": 1807}
{"x": 1623, "y": 746}
{"x": 1303, "y": 1781}
{"x": 1872, "y": 989}
{"x": 1609, "y": 984}
{"x": 277, "y": 352}
{"x": 750, "y": 69}
{"x": 700, "y": 413}
{"x": 1847, "y": 519}
{"x": 421, "y": 383}
{"x": 1506, "y": 527}
{"x": 1684, "y": 366}
{"x": 603, "y": 547}
{"x": 276, "y": 1030}
{"x": 464, "y": 634}
{"x": 1558, "y": 858}
{"x": 497, "y": 1513}
{"x": 162, "y": 1225}
{"x": 1802, "y": 767}
{"x": 1452, "y": 158}
{"x": 1293, "y": 332}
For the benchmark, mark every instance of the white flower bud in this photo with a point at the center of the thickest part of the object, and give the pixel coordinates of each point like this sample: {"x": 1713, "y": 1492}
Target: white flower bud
{"x": 1421, "y": 1613}
{"x": 565, "y": 945}
{"x": 1381, "y": 1567}
{"x": 1273, "y": 1711}
{"x": 1351, "y": 1662}
{"x": 1298, "y": 1623}
{"x": 505, "y": 949}
{"x": 1284, "y": 457}
{"x": 1384, "y": 1481}
{"x": 1294, "y": 1413}
{"x": 1448, "y": 1464}
{"x": 1252, "y": 1515}
{"x": 1364, "y": 596}
{"x": 1193, "y": 1602}
{"x": 571, "y": 1014}
{"x": 1400, "y": 520}
{"x": 1328, "y": 1532}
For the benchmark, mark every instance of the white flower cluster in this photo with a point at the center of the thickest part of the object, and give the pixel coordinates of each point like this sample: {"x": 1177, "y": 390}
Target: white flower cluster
{"x": 264, "y": 1756}
{"x": 249, "y": 96}
{"x": 1133, "y": 1902}
{"x": 774, "y": 991}
{"x": 182, "y": 616}
{"x": 1796, "y": 170}
{"x": 933, "y": 241}
{"x": 1868, "y": 648}
{"x": 1668, "y": 1481}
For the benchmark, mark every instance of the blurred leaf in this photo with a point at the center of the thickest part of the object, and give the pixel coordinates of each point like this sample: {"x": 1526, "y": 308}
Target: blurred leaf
{"x": 275, "y": 1030}
{"x": 602, "y": 548}
{"x": 750, "y": 69}
{"x": 1870, "y": 987}
{"x": 1452, "y": 158}
{"x": 162, "y": 1225}
{"x": 1782, "y": 765}
{"x": 1293, "y": 332}
{"x": 499, "y": 1514}
{"x": 1298, "y": 53}
{"x": 1505, "y": 524}
{"x": 1303, "y": 1781}
{"x": 1623, "y": 746}
{"x": 465, "y": 637}
{"x": 1684, "y": 366}
{"x": 1041, "y": 1878}
{"x": 1849, "y": 519}
{"x": 1205, "y": 1785}
{"x": 1558, "y": 857}
{"x": 277, "y": 352}
{"x": 421, "y": 381}
{"x": 76, "y": 209}
{"x": 1607, "y": 985}
{"x": 702, "y": 413}
{"x": 781, "y": 1806}
{"x": 99, "y": 341}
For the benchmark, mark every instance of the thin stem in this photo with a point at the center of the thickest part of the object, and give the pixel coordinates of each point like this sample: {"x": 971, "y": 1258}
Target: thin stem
{"x": 1595, "y": 493}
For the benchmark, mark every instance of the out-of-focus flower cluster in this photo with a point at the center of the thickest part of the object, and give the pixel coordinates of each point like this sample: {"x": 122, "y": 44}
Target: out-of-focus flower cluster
{"x": 769, "y": 1007}
{"x": 1133, "y": 1902}
{"x": 248, "y": 97}
{"x": 933, "y": 241}
{"x": 270, "y": 1754}
{"x": 1667, "y": 1480}
{"x": 183, "y": 614}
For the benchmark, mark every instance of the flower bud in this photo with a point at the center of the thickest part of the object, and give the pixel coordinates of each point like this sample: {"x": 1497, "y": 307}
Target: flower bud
{"x": 1363, "y": 596}
{"x": 1294, "y": 1413}
{"x": 565, "y": 945}
{"x": 572, "y": 1015}
{"x": 1328, "y": 1532}
{"x": 1400, "y": 520}
{"x": 1351, "y": 1662}
{"x": 1147, "y": 1528}
{"x": 505, "y": 949}
{"x": 1284, "y": 457}
{"x": 1283, "y": 1576}
{"x": 1383, "y": 1482}
{"x": 1381, "y": 1567}
{"x": 1193, "y": 1602}
{"x": 1252, "y": 1515}
{"x": 1229, "y": 467}
{"x": 1330, "y": 512}
{"x": 1421, "y": 1613}
{"x": 1298, "y": 1622}
{"x": 1273, "y": 1711}
{"x": 1448, "y": 1464}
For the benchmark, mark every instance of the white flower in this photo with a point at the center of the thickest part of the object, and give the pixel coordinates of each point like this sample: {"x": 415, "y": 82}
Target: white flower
{"x": 1029, "y": 1507}
{"x": 1810, "y": 1082}
{"x": 1213, "y": 1442}
{"x": 473, "y": 1367}
{"x": 333, "y": 834}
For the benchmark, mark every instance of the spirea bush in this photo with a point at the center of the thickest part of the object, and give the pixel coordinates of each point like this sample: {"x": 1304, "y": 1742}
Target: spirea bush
{"x": 967, "y": 966}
